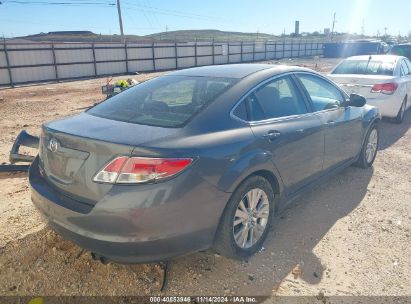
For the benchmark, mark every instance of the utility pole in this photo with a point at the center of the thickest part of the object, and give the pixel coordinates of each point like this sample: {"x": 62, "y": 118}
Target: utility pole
{"x": 363, "y": 28}
{"x": 120, "y": 21}
{"x": 332, "y": 31}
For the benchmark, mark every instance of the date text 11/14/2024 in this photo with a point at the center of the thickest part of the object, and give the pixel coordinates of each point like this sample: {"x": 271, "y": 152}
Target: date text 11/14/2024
{"x": 204, "y": 299}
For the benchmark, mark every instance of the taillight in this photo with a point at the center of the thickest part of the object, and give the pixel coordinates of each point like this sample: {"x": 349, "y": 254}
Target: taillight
{"x": 131, "y": 170}
{"x": 110, "y": 172}
{"x": 384, "y": 88}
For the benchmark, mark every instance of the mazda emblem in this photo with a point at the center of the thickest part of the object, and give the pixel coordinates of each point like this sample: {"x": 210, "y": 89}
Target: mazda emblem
{"x": 53, "y": 145}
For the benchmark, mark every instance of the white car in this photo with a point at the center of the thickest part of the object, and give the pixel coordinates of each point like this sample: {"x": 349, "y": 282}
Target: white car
{"x": 384, "y": 80}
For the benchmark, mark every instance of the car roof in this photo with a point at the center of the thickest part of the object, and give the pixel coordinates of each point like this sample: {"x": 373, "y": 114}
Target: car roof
{"x": 234, "y": 70}
{"x": 375, "y": 57}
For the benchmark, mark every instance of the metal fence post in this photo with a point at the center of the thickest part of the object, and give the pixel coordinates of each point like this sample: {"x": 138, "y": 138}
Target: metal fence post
{"x": 126, "y": 53}
{"x": 228, "y": 51}
{"x": 241, "y": 51}
{"x": 94, "y": 59}
{"x": 212, "y": 51}
{"x": 254, "y": 50}
{"x": 283, "y": 48}
{"x": 54, "y": 61}
{"x": 175, "y": 51}
{"x": 195, "y": 53}
{"x": 305, "y": 48}
{"x": 153, "y": 55}
{"x": 8, "y": 63}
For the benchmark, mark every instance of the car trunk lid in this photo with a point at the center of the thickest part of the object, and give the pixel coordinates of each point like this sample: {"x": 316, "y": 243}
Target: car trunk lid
{"x": 74, "y": 149}
{"x": 360, "y": 84}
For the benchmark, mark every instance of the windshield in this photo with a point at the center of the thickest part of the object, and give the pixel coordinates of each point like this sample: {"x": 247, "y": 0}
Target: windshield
{"x": 365, "y": 67}
{"x": 401, "y": 50}
{"x": 167, "y": 101}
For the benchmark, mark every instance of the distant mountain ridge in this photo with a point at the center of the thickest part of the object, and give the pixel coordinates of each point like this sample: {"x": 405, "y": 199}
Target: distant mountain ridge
{"x": 182, "y": 35}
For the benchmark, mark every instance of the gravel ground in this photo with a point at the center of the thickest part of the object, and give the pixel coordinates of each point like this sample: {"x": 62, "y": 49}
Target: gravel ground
{"x": 349, "y": 236}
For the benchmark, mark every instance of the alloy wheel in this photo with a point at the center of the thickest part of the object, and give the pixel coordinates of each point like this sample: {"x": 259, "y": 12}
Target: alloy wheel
{"x": 402, "y": 111}
{"x": 372, "y": 146}
{"x": 251, "y": 218}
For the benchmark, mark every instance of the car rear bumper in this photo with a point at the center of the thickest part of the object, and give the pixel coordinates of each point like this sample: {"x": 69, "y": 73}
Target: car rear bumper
{"x": 389, "y": 105}
{"x": 143, "y": 223}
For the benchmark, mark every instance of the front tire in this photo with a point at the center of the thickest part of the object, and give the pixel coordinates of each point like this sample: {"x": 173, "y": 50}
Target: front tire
{"x": 401, "y": 112}
{"x": 247, "y": 219}
{"x": 369, "y": 148}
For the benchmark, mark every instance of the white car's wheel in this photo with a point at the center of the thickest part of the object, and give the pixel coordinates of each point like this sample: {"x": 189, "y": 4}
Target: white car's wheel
{"x": 401, "y": 112}
{"x": 370, "y": 148}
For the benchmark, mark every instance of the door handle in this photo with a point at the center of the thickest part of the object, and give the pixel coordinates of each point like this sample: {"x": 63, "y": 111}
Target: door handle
{"x": 272, "y": 134}
{"x": 330, "y": 123}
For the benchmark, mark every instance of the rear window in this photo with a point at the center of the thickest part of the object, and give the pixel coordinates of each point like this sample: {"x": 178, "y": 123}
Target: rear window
{"x": 401, "y": 50}
{"x": 365, "y": 67}
{"x": 167, "y": 101}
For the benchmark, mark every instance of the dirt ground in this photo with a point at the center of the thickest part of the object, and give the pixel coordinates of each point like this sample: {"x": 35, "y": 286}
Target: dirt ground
{"x": 350, "y": 236}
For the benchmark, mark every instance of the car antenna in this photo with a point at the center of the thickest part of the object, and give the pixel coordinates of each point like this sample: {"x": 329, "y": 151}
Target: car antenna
{"x": 369, "y": 59}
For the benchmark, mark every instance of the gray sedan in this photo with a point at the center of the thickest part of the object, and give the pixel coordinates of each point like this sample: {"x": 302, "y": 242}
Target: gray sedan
{"x": 198, "y": 158}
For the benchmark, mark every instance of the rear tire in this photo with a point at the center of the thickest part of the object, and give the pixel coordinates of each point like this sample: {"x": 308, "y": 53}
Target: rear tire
{"x": 369, "y": 148}
{"x": 401, "y": 112}
{"x": 247, "y": 219}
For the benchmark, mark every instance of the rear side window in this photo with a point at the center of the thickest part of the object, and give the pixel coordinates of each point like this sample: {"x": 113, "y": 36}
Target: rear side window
{"x": 167, "y": 101}
{"x": 404, "y": 68}
{"x": 323, "y": 94}
{"x": 365, "y": 67}
{"x": 241, "y": 111}
{"x": 278, "y": 98}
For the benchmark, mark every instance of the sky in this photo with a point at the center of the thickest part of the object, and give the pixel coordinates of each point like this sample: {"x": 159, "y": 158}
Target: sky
{"x": 142, "y": 17}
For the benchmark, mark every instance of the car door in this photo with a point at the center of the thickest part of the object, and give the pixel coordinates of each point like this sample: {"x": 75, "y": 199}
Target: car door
{"x": 406, "y": 75}
{"x": 283, "y": 125}
{"x": 343, "y": 129}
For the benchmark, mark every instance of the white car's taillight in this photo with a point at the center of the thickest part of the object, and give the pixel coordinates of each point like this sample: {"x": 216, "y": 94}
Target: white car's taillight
{"x": 384, "y": 88}
{"x": 132, "y": 170}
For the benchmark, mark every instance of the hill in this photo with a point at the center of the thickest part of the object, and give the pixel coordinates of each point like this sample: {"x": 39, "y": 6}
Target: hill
{"x": 207, "y": 35}
{"x": 81, "y": 36}
{"x": 183, "y": 35}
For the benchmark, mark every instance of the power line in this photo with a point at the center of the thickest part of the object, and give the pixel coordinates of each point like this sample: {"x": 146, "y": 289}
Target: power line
{"x": 152, "y": 13}
{"x": 168, "y": 11}
{"x": 66, "y": 3}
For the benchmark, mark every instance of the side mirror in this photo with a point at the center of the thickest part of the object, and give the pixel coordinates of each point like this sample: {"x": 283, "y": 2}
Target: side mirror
{"x": 355, "y": 101}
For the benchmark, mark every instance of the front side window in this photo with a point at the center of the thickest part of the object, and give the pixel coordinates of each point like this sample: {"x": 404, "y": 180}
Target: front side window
{"x": 323, "y": 94}
{"x": 278, "y": 98}
{"x": 167, "y": 101}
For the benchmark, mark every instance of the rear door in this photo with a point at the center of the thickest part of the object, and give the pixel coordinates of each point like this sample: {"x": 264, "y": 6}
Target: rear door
{"x": 282, "y": 123}
{"x": 342, "y": 125}
{"x": 406, "y": 75}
